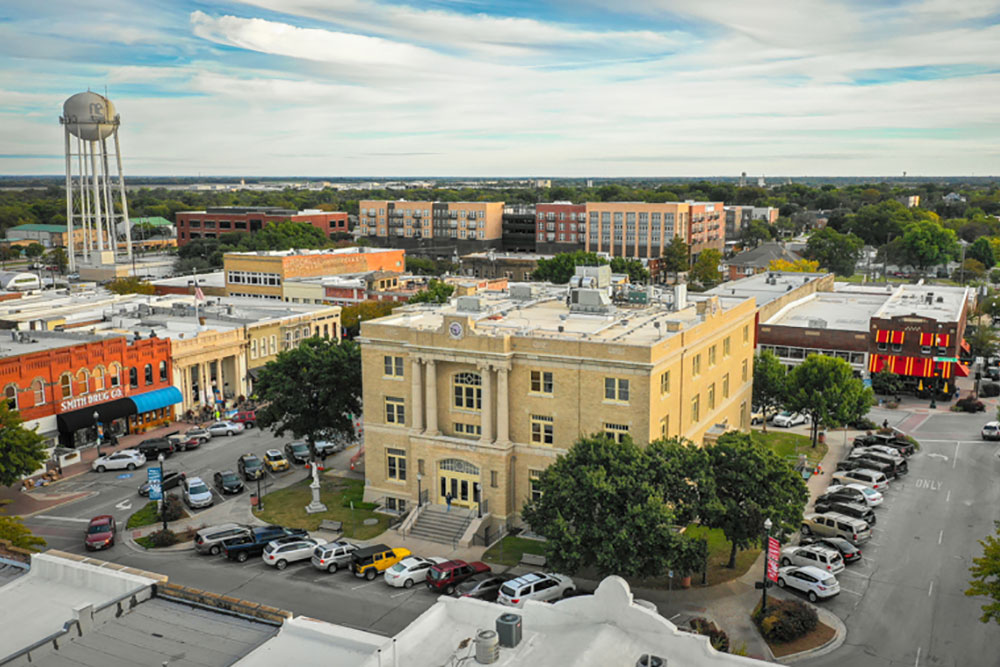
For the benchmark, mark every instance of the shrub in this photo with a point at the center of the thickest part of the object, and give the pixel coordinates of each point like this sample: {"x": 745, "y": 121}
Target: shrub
{"x": 786, "y": 620}
{"x": 162, "y": 538}
{"x": 970, "y": 404}
{"x": 865, "y": 424}
{"x": 989, "y": 389}
{"x": 718, "y": 638}
{"x": 173, "y": 508}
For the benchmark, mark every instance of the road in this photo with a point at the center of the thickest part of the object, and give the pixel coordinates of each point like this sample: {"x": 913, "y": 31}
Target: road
{"x": 905, "y": 604}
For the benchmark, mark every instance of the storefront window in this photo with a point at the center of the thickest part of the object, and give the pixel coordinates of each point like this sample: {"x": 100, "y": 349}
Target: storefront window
{"x": 148, "y": 373}
{"x": 66, "y": 385}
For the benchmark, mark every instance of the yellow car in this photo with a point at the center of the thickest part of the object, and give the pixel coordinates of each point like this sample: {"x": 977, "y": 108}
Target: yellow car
{"x": 275, "y": 460}
{"x": 369, "y": 562}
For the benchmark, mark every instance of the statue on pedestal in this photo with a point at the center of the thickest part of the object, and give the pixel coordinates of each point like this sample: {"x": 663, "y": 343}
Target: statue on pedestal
{"x": 315, "y": 506}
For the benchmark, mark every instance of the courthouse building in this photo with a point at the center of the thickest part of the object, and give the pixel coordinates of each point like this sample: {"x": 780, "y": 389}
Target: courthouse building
{"x": 474, "y": 398}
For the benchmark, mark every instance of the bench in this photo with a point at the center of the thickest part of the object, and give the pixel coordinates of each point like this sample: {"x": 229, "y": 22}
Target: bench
{"x": 333, "y": 526}
{"x": 533, "y": 559}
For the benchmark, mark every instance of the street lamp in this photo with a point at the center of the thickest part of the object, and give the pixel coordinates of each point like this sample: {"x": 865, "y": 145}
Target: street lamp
{"x": 763, "y": 588}
{"x": 479, "y": 500}
{"x": 420, "y": 493}
{"x": 163, "y": 500}
{"x": 933, "y": 404}
{"x": 97, "y": 430}
{"x": 260, "y": 498}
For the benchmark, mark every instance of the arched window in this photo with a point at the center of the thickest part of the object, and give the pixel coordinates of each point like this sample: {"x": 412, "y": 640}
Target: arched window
{"x": 115, "y": 374}
{"x": 468, "y": 391}
{"x": 10, "y": 392}
{"x": 148, "y": 372}
{"x": 38, "y": 389}
{"x": 82, "y": 383}
{"x": 66, "y": 385}
{"x": 163, "y": 371}
{"x": 133, "y": 377}
{"x": 99, "y": 378}
{"x": 458, "y": 465}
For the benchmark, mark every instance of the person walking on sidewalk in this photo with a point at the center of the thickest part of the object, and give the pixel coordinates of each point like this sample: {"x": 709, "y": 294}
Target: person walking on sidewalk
{"x": 447, "y": 500}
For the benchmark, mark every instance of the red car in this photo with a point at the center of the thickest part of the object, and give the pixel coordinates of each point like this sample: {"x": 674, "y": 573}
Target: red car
{"x": 444, "y": 577}
{"x": 101, "y": 533}
{"x": 247, "y": 418}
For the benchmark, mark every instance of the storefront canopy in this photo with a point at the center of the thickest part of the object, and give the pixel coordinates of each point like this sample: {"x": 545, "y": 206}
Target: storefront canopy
{"x": 69, "y": 422}
{"x": 156, "y": 399}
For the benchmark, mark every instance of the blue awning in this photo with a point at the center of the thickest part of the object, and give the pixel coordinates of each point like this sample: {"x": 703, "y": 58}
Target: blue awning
{"x": 156, "y": 399}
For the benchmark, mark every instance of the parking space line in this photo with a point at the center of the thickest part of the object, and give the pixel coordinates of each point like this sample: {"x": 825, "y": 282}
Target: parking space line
{"x": 917, "y": 662}
{"x": 844, "y": 590}
{"x": 954, "y": 459}
{"x": 367, "y": 583}
{"x": 930, "y": 589}
{"x": 947, "y": 498}
{"x": 404, "y": 592}
{"x": 940, "y": 536}
{"x": 856, "y": 574}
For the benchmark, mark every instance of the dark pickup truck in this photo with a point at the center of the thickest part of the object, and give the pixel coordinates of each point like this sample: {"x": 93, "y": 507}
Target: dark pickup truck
{"x": 241, "y": 548}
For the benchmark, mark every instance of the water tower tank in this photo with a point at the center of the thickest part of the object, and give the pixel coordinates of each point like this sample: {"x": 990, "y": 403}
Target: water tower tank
{"x": 89, "y": 116}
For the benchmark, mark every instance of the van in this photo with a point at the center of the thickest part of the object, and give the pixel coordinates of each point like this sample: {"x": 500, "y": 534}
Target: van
{"x": 832, "y": 524}
{"x": 209, "y": 540}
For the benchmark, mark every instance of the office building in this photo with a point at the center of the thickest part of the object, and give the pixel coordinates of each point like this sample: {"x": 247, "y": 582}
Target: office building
{"x": 518, "y": 225}
{"x": 215, "y": 221}
{"x": 432, "y": 229}
{"x": 560, "y": 227}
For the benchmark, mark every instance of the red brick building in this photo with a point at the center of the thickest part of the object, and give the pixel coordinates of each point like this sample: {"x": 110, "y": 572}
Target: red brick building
{"x": 706, "y": 226}
{"x": 560, "y": 227}
{"x": 216, "y": 221}
{"x": 58, "y": 381}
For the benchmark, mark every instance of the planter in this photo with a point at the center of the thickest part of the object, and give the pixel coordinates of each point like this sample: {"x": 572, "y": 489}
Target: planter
{"x": 686, "y": 581}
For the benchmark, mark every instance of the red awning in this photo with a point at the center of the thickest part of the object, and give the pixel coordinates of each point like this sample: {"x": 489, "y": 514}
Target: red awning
{"x": 961, "y": 370}
{"x": 915, "y": 366}
{"x": 965, "y": 346}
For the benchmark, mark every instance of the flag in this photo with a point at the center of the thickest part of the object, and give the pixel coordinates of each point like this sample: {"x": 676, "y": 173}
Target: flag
{"x": 198, "y": 294}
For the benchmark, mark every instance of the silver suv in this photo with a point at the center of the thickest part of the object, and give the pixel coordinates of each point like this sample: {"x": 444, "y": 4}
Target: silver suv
{"x": 540, "y": 586}
{"x": 822, "y": 557}
{"x": 832, "y": 524}
{"x": 209, "y": 540}
{"x": 333, "y": 555}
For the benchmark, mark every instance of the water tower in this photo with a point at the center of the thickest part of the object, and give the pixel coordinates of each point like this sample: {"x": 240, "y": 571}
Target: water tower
{"x": 96, "y": 207}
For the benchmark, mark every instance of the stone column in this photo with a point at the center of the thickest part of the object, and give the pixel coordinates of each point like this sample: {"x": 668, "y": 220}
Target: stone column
{"x": 432, "y": 398}
{"x": 417, "y": 402}
{"x": 503, "y": 409}
{"x": 240, "y": 385}
{"x": 486, "y": 371}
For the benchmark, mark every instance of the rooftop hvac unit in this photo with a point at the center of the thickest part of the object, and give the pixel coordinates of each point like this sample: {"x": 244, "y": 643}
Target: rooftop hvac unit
{"x": 647, "y": 660}
{"x": 509, "y": 629}
{"x": 487, "y": 647}
{"x": 469, "y": 304}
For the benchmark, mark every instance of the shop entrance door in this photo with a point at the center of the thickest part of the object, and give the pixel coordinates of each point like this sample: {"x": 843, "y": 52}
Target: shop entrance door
{"x": 458, "y": 478}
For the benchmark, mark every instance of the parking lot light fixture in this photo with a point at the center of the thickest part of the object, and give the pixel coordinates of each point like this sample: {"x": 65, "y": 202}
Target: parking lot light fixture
{"x": 420, "y": 493}
{"x": 97, "y": 431}
{"x": 763, "y": 589}
{"x": 163, "y": 500}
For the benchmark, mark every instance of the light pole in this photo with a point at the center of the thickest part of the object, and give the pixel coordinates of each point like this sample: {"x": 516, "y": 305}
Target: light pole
{"x": 961, "y": 267}
{"x": 97, "y": 430}
{"x": 420, "y": 493}
{"x": 479, "y": 500}
{"x": 260, "y": 498}
{"x": 763, "y": 588}
{"x": 933, "y": 404}
{"x": 163, "y": 500}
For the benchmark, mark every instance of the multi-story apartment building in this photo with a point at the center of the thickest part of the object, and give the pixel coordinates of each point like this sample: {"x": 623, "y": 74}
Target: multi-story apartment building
{"x": 434, "y": 229}
{"x": 706, "y": 226}
{"x": 518, "y": 228}
{"x": 218, "y": 220}
{"x": 635, "y": 229}
{"x": 739, "y": 218}
{"x": 476, "y": 397}
{"x": 560, "y": 227}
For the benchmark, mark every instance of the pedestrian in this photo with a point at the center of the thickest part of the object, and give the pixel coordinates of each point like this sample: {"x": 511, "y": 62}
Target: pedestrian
{"x": 447, "y": 499}
{"x": 885, "y": 424}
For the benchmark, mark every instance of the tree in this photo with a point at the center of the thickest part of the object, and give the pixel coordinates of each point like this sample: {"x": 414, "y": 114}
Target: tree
{"x": 982, "y": 251}
{"x": 312, "y": 391}
{"x": 352, "y": 316}
{"x": 614, "y": 506}
{"x": 13, "y": 530}
{"x": 706, "y": 268}
{"x": 834, "y": 251}
{"x": 798, "y": 266}
{"x": 755, "y": 233}
{"x": 825, "y": 389}
{"x": 21, "y": 451}
{"x": 57, "y": 257}
{"x": 130, "y": 285}
{"x": 7, "y": 253}
{"x": 886, "y": 383}
{"x": 637, "y": 273}
{"x": 768, "y": 383}
{"x": 560, "y": 268}
{"x": 982, "y": 342}
{"x": 34, "y": 250}
{"x": 926, "y": 243}
{"x": 676, "y": 256}
{"x": 420, "y": 266}
{"x": 437, "y": 291}
{"x": 752, "y": 483}
{"x": 986, "y": 577}
{"x": 970, "y": 269}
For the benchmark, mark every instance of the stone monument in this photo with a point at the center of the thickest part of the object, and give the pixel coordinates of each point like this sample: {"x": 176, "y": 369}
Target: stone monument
{"x": 315, "y": 506}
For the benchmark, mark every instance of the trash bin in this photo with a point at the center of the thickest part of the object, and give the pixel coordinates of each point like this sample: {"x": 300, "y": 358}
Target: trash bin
{"x": 822, "y": 437}
{"x": 253, "y": 500}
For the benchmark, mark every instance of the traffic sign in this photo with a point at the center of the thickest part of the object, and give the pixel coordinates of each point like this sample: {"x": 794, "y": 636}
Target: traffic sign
{"x": 950, "y": 360}
{"x": 773, "y": 555}
{"x": 155, "y": 477}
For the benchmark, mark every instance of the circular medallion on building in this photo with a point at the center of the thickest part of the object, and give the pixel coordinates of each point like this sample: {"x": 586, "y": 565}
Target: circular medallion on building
{"x": 455, "y": 329}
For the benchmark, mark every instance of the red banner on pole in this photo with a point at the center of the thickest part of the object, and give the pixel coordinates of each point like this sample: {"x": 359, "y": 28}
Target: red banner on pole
{"x": 773, "y": 557}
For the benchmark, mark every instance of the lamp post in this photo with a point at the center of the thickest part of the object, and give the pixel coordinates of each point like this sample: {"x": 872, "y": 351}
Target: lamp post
{"x": 933, "y": 404}
{"x": 163, "y": 500}
{"x": 479, "y": 500}
{"x": 260, "y": 498}
{"x": 97, "y": 430}
{"x": 420, "y": 493}
{"x": 961, "y": 267}
{"x": 763, "y": 588}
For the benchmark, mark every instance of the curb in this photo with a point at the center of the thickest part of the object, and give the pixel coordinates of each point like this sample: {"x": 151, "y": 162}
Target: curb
{"x": 839, "y": 637}
{"x": 183, "y": 546}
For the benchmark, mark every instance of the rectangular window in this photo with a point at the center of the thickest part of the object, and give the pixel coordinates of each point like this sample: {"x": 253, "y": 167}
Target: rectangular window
{"x": 664, "y": 383}
{"x": 726, "y": 347}
{"x": 744, "y": 370}
{"x": 617, "y": 432}
{"x": 468, "y": 430}
{"x": 743, "y": 415}
{"x": 274, "y": 344}
{"x": 534, "y": 480}
{"x": 616, "y": 389}
{"x": 395, "y": 410}
{"x": 541, "y": 430}
{"x": 494, "y": 479}
{"x": 711, "y": 396}
{"x": 696, "y": 365}
{"x": 746, "y": 334}
{"x": 393, "y": 366}
{"x": 541, "y": 382}
{"x": 695, "y": 409}
{"x": 711, "y": 356}
{"x": 396, "y": 464}
{"x": 468, "y": 391}
{"x": 725, "y": 386}
{"x": 665, "y": 426}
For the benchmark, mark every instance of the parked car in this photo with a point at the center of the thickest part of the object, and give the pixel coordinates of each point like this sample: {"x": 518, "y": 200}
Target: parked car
{"x": 250, "y": 467}
{"x": 848, "y": 551}
{"x": 182, "y": 443}
{"x": 369, "y": 562}
{"x": 202, "y": 434}
{"x": 786, "y": 419}
{"x": 896, "y": 463}
{"x": 241, "y": 547}
{"x": 832, "y": 524}
{"x": 855, "y": 510}
{"x": 298, "y": 452}
{"x": 196, "y": 493}
{"x": 209, "y": 540}
{"x": 333, "y": 555}
{"x": 153, "y": 447}
{"x": 247, "y": 417}
{"x": 225, "y": 428}
{"x": 170, "y": 480}
{"x": 326, "y": 448}
{"x": 444, "y": 577}
{"x": 852, "y": 493}
{"x": 866, "y": 463}
{"x": 991, "y": 431}
{"x": 905, "y": 447}
{"x": 870, "y": 478}
{"x": 482, "y": 586}
{"x": 758, "y": 415}
{"x": 101, "y": 533}
{"x": 817, "y": 556}
{"x": 285, "y": 550}
{"x": 814, "y": 582}
{"x": 228, "y": 482}
{"x": 125, "y": 459}
{"x": 275, "y": 460}
{"x": 885, "y": 450}
{"x": 411, "y": 570}
{"x": 540, "y": 586}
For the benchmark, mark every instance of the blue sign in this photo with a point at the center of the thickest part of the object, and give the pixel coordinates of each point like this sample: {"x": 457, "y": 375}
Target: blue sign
{"x": 155, "y": 476}
{"x": 867, "y": 382}
{"x": 124, "y": 475}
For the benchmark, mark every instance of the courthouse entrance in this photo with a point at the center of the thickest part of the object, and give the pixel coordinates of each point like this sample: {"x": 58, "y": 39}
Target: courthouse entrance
{"x": 459, "y": 478}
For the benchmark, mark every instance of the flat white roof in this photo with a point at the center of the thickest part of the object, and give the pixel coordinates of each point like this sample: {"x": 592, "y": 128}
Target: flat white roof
{"x": 836, "y": 310}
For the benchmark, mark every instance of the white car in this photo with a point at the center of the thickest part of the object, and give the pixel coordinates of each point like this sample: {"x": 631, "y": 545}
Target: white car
{"x": 878, "y": 450}
{"x": 991, "y": 431}
{"x": 873, "y": 479}
{"x": 818, "y": 556}
{"x": 812, "y": 581}
{"x": 281, "y": 552}
{"x": 540, "y": 586}
{"x": 225, "y": 428}
{"x": 411, "y": 570}
{"x": 872, "y": 497}
{"x": 786, "y": 419}
{"x": 126, "y": 459}
{"x": 196, "y": 493}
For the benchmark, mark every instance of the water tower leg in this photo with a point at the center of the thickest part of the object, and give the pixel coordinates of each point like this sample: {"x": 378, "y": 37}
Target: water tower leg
{"x": 97, "y": 199}
{"x": 121, "y": 187}
{"x": 109, "y": 210}
{"x": 84, "y": 196}
{"x": 69, "y": 202}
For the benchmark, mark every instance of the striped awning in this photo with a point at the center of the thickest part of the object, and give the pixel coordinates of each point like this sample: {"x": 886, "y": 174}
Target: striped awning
{"x": 888, "y": 336}
{"x": 930, "y": 340}
{"x": 916, "y": 366}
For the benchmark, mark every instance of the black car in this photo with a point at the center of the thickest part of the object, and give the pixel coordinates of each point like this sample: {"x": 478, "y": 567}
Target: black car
{"x": 170, "y": 480}
{"x": 848, "y": 551}
{"x": 844, "y": 494}
{"x": 250, "y": 467}
{"x": 904, "y": 447}
{"x": 864, "y": 463}
{"x": 897, "y": 465}
{"x": 855, "y": 510}
{"x": 298, "y": 452}
{"x": 243, "y": 547}
{"x": 228, "y": 482}
{"x": 153, "y": 447}
{"x": 482, "y": 586}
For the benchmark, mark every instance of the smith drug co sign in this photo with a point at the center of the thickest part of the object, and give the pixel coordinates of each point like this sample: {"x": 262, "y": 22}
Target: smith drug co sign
{"x": 91, "y": 399}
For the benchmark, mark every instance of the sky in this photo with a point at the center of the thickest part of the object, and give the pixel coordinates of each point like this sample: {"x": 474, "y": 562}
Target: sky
{"x": 474, "y": 88}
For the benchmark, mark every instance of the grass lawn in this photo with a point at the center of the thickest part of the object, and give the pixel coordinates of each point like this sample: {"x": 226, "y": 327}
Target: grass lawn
{"x": 718, "y": 556}
{"x": 789, "y": 445}
{"x": 147, "y": 516}
{"x": 287, "y": 507}
{"x": 509, "y": 550}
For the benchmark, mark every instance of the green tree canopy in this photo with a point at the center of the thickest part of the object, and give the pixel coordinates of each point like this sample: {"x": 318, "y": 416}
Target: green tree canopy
{"x": 755, "y": 233}
{"x": 130, "y": 285}
{"x": 676, "y": 256}
{"x": 706, "y": 268}
{"x": 926, "y": 243}
{"x": 437, "y": 291}
{"x": 12, "y": 529}
{"x": 311, "y": 391}
{"x": 21, "y": 451}
{"x": 834, "y": 251}
{"x": 58, "y": 258}
{"x": 752, "y": 484}
{"x": 982, "y": 341}
{"x": 768, "y": 383}
{"x": 637, "y": 273}
{"x": 982, "y": 250}
{"x": 825, "y": 389}
{"x": 562, "y": 266}
{"x": 986, "y": 577}
{"x": 352, "y": 316}
{"x": 34, "y": 250}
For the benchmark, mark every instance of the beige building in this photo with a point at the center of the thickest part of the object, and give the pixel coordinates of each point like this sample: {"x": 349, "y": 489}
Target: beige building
{"x": 480, "y": 221}
{"x": 486, "y": 391}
